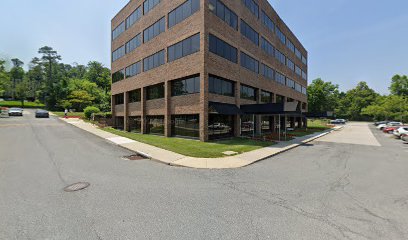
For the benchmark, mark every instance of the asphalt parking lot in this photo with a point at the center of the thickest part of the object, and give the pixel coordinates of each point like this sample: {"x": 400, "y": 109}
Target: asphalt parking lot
{"x": 336, "y": 187}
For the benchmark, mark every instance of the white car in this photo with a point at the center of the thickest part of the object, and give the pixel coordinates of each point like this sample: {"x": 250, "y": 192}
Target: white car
{"x": 381, "y": 126}
{"x": 400, "y": 131}
{"x": 15, "y": 112}
{"x": 390, "y": 124}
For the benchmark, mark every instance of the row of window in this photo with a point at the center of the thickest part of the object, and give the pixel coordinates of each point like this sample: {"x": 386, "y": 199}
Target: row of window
{"x": 186, "y": 47}
{"x": 223, "y": 12}
{"x": 176, "y": 16}
{"x": 153, "y": 61}
{"x": 249, "y": 32}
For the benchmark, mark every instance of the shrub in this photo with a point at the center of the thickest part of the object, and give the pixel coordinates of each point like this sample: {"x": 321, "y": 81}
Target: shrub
{"x": 89, "y": 110}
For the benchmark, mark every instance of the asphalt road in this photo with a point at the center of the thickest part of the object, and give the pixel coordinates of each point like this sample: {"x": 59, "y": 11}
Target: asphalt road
{"x": 328, "y": 189}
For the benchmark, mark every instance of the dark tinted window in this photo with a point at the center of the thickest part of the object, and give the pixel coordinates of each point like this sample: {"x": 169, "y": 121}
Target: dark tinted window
{"x": 248, "y": 93}
{"x": 118, "y": 31}
{"x": 290, "y": 83}
{"x": 154, "y": 30}
{"x": 134, "y": 17}
{"x": 267, "y": 22}
{"x": 266, "y": 97}
{"x": 249, "y": 32}
{"x": 267, "y": 72}
{"x": 304, "y": 75}
{"x": 223, "y": 12}
{"x": 280, "y": 78}
{"x": 155, "y": 91}
{"x": 186, "y": 47}
{"x": 135, "y": 96}
{"x": 298, "y": 53}
{"x": 220, "y": 126}
{"x": 135, "y": 124}
{"x": 281, "y": 36}
{"x": 118, "y": 76}
{"x": 290, "y": 45}
{"x": 134, "y": 69}
{"x": 183, "y": 11}
{"x": 149, "y": 5}
{"x": 119, "y": 99}
{"x": 298, "y": 71}
{"x": 249, "y": 63}
{"x": 186, "y": 125}
{"x": 155, "y": 125}
{"x": 290, "y": 64}
{"x": 134, "y": 43}
{"x": 252, "y": 6}
{"x": 153, "y": 61}
{"x": 118, "y": 53}
{"x": 267, "y": 47}
{"x": 223, "y": 49}
{"x": 185, "y": 86}
{"x": 280, "y": 56}
{"x": 221, "y": 86}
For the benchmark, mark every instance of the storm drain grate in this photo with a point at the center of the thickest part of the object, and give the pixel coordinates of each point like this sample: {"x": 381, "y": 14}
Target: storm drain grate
{"x": 76, "y": 186}
{"x": 135, "y": 157}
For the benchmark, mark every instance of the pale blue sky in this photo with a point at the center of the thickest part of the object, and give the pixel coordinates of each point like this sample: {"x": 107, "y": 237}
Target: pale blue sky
{"x": 348, "y": 40}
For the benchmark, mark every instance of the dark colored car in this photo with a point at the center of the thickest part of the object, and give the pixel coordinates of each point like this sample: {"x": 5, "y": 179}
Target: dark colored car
{"x": 42, "y": 114}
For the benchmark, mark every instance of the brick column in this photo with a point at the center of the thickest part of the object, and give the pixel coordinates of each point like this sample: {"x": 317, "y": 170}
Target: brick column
{"x": 167, "y": 105}
{"x": 237, "y": 118}
{"x": 258, "y": 118}
{"x": 126, "y": 111}
{"x": 204, "y": 107}
{"x": 113, "y": 104}
{"x": 143, "y": 110}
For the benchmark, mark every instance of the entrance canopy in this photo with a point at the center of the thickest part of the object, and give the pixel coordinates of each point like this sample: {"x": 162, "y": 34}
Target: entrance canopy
{"x": 224, "y": 109}
{"x": 288, "y": 108}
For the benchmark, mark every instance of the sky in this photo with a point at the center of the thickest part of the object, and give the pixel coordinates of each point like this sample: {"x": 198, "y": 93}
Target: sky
{"x": 348, "y": 41}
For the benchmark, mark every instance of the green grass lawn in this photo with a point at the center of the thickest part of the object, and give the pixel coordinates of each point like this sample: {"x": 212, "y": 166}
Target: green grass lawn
{"x": 304, "y": 132}
{"x": 318, "y": 123}
{"x": 70, "y": 114}
{"x": 18, "y": 104}
{"x": 194, "y": 148}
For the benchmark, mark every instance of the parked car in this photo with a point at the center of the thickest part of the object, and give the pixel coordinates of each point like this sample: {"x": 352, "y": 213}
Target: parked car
{"x": 382, "y": 122}
{"x": 42, "y": 114}
{"x": 404, "y": 137}
{"x": 15, "y": 112}
{"x": 381, "y": 126}
{"x": 390, "y": 129}
{"x": 400, "y": 131}
{"x": 390, "y": 124}
{"x": 338, "y": 121}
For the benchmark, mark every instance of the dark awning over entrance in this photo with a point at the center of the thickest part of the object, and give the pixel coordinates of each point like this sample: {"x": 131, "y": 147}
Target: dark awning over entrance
{"x": 289, "y": 108}
{"x": 223, "y": 109}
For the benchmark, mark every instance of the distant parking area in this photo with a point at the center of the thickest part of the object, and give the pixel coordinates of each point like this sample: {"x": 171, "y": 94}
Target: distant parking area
{"x": 396, "y": 133}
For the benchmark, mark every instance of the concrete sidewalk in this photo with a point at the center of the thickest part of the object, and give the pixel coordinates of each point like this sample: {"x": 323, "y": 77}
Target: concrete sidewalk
{"x": 175, "y": 159}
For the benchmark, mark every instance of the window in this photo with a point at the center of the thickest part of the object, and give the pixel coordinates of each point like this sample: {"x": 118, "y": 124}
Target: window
{"x": 118, "y": 53}
{"x": 223, "y": 49}
{"x": 290, "y": 45}
{"x": 220, "y": 126}
{"x": 290, "y": 83}
{"x": 298, "y": 54}
{"x": 221, "y": 86}
{"x": 248, "y": 93}
{"x": 154, "y": 30}
{"x": 134, "y": 69}
{"x": 252, "y": 6}
{"x": 267, "y": 22}
{"x": 280, "y": 99}
{"x": 280, "y": 78}
{"x": 134, "y": 43}
{"x": 135, "y": 96}
{"x": 290, "y": 64}
{"x": 186, "y": 47}
{"x": 119, "y": 99}
{"x": 304, "y": 90}
{"x": 223, "y": 12}
{"x": 249, "y": 32}
{"x": 267, "y": 72}
{"x": 185, "y": 125}
{"x": 266, "y": 97}
{"x": 249, "y": 63}
{"x": 155, "y": 125}
{"x": 298, "y": 87}
{"x": 304, "y": 75}
{"x": 118, "y": 31}
{"x": 149, "y": 5}
{"x": 281, "y": 36}
{"x": 183, "y": 11}
{"x": 135, "y": 124}
{"x": 134, "y": 17}
{"x": 280, "y": 57}
{"x": 153, "y": 61}
{"x": 188, "y": 85}
{"x": 118, "y": 76}
{"x": 298, "y": 71}
{"x": 267, "y": 47}
{"x": 304, "y": 60}
{"x": 155, "y": 91}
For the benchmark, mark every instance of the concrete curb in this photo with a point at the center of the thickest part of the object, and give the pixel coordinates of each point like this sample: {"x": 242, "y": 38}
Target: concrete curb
{"x": 238, "y": 165}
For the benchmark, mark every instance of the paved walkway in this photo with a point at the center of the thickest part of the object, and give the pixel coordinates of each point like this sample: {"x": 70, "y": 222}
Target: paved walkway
{"x": 176, "y": 159}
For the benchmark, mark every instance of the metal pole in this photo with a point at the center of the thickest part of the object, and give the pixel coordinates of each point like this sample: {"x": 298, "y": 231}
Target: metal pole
{"x": 253, "y": 125}
{"x": 279, "y": 127}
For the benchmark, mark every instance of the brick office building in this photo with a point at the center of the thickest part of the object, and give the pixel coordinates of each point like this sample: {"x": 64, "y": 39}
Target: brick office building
{"x": 204, "y": 68}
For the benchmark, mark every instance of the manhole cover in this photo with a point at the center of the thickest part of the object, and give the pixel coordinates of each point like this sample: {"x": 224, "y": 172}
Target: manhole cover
{"x": 76, "y": 186}
{"x": 134, "y": 157}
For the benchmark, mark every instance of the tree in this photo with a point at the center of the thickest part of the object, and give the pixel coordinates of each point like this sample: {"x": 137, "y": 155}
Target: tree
{"x": 355, "y": 100}
{"x": 322, "y": 96}
{"x": 16, "y": 74}
{"x": 22, "y": 90}
{"x": 5, "y": 82}
{"x": 99, "y": 74}
{"x": 399, "y": 85}
{"x": 50, "y": 59}
{"x": 392, "y": 107}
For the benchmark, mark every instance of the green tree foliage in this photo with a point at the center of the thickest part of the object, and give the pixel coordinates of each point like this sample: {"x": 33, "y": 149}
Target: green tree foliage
{"x": 99, "y": 74}
{"x": 22, "y": 90}
{"x": 5, "y": 82}
{"x": 392, "y": 107}
{"x": 399, "y": 85}
{"x": 322, "y": 96}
